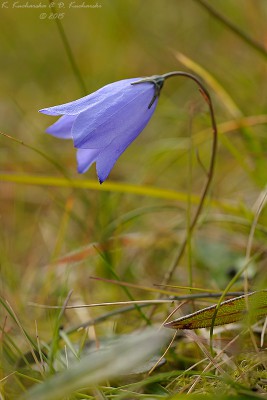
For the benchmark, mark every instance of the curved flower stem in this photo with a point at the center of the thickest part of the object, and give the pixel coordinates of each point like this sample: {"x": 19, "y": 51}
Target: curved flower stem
{"x": 210, "y": 171}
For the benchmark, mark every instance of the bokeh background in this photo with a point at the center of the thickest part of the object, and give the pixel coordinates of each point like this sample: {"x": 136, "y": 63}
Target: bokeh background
{"x": 119, "y": 234}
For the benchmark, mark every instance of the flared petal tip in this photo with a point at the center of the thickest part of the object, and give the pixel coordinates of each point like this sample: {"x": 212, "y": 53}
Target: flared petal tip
{"x": 81, "y": 169}
{"x": 49, "y": 130}
{"x": 56, "y": 110}
{"x": 46, "y": 111}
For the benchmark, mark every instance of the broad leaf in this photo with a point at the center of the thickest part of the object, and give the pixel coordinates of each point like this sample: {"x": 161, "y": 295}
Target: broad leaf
{"x": 252, "y": 305}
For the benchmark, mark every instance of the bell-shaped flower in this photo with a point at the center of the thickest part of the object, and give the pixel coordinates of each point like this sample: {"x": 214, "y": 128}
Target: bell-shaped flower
{"x": 103, "y": 124}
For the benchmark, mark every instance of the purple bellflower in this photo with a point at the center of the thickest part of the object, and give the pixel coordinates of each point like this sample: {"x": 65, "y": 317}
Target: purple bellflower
{"x": 103, "y": 124}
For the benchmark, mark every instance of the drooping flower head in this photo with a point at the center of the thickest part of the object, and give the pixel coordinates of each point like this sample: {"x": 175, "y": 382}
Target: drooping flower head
{"x": 103, "y": 124}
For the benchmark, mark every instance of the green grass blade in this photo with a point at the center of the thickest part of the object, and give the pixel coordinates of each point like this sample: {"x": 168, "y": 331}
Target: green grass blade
{"x": 101, "y": 365}
{"x": 254, "y": 44}
{"x": 139, "y": 190}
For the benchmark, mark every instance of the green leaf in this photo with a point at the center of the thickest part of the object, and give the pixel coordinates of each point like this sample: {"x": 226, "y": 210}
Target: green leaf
{"x": 252, "y": 306}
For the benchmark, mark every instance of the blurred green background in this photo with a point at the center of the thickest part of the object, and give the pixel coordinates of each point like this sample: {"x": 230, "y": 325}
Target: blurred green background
{"x": 109, "y": 41}
{"x": 112, "y": 41}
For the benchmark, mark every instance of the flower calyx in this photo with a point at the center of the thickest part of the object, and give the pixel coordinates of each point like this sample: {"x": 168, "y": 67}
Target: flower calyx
{"x": 157, "y": 81}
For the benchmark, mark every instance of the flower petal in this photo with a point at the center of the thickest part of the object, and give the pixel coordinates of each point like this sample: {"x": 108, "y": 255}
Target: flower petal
{"x": 109, "y": 155}
{"x": 85, "y": 158}
{"x": 92, "y": 100}
{"x": 121, "y": 114}
{"x": 62, "y": 127}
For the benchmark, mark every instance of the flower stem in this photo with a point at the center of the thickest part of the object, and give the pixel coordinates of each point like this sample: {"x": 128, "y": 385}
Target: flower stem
{"x": 210, "y": 171}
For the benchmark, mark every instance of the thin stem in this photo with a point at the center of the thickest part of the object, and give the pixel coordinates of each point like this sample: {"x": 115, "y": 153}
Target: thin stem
{"x": 210, "y": 171}
{"x": 188, "y": 297}
{"x": 69, "y": 52}
{"x": 243, "y": 35}
{"x": 189, "y": 211}
{"x": 41, "y": 153}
